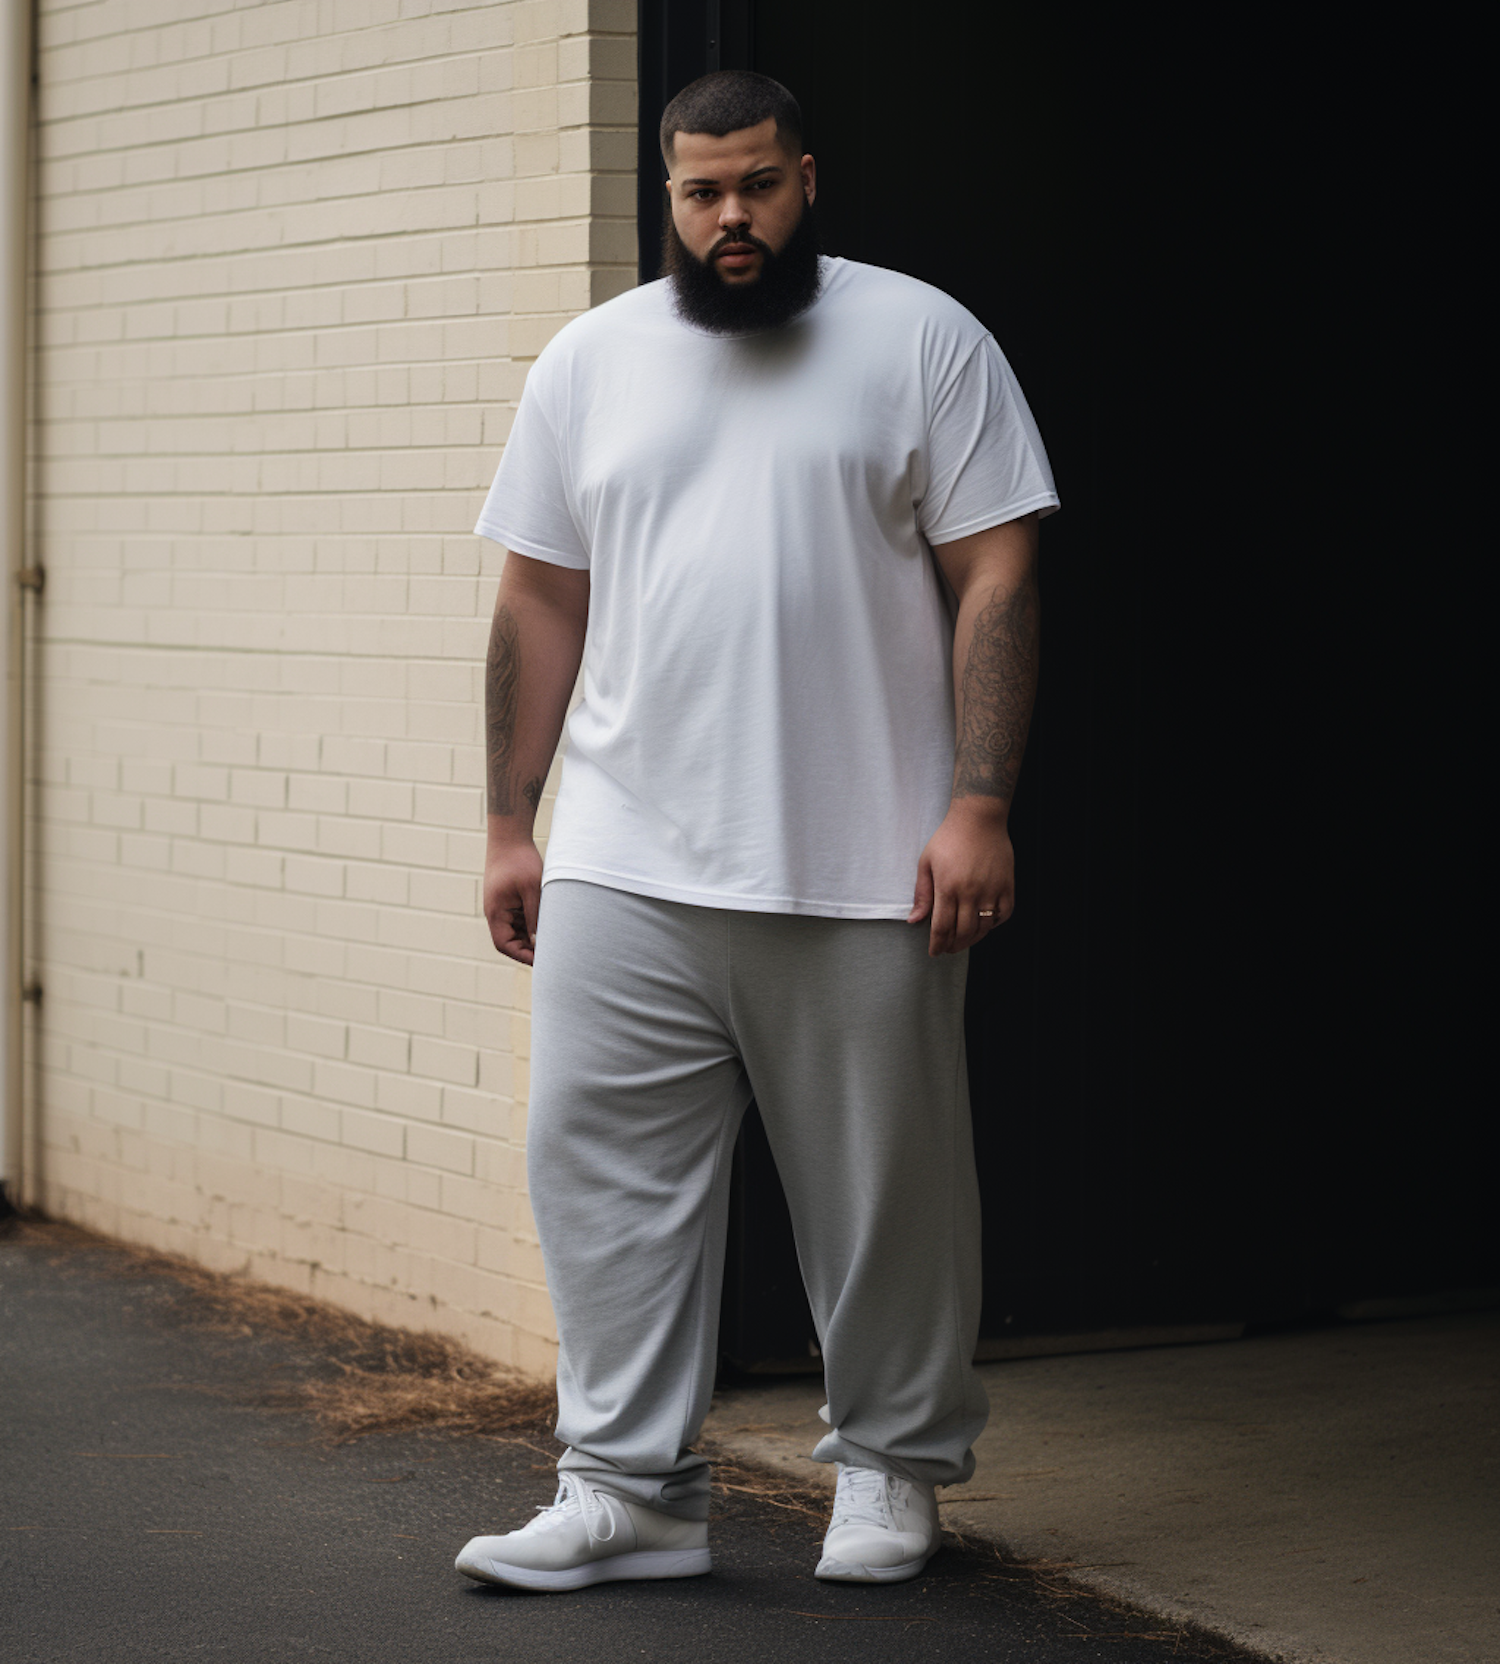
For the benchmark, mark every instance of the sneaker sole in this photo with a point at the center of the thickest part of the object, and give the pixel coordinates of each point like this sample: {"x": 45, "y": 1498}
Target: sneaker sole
{"x": 644, "y": 1563}
{"x": 841, "y": 1571}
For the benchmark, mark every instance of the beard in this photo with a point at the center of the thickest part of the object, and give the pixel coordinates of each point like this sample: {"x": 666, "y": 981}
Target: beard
{"x": 788, "y": 281}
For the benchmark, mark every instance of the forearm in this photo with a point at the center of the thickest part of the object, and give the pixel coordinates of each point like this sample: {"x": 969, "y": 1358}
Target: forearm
{"x": 995, "y": 657}
{"x": 536, "y": 644}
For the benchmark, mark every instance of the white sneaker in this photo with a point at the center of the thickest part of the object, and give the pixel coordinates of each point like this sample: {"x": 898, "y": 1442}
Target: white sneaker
{"x": 883, "y": 1530}
{"x": 588, "y": 1536}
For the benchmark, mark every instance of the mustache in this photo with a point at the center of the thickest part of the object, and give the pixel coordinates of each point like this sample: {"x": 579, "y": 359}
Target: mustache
{"x": 733, "y": 239}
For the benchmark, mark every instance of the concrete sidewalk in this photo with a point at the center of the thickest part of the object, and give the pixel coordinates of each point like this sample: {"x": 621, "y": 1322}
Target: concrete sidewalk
{"x": 1324, "y": 1495}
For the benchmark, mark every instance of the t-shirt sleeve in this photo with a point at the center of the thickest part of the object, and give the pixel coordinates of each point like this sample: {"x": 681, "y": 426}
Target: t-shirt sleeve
{"x": 985, "y": 462}
{"x": 529, "y": 504}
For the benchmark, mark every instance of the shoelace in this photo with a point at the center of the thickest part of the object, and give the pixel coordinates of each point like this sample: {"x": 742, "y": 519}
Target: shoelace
{"x": 576, "y": 1495}
{"x": 862, "y": 1497}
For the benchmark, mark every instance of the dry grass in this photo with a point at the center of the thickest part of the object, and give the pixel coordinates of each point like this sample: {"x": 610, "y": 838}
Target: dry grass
{"x": 379, "y": 1379}
{"x": 458, "y": 1392}
{"x": 733, "y": 1478}
{"x": 382, "y": 1380}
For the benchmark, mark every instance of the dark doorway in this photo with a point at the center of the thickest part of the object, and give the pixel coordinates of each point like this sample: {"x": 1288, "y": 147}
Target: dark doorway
{"x": 1182, "y": 1114}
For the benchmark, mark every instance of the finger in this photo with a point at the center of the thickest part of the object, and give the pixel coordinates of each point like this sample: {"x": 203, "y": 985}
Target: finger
{"x": 966, "y": 928}
{"x": 507, "y": 921}
{"x": 512, "y": 937}
{"x": 943, "y": 912}
{"x": 531, "y": 903}
{"x": 922, "y": 899}
{"x": 501, "y": 929}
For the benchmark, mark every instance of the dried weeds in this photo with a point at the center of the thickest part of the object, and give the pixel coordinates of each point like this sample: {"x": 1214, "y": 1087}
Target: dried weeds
{"x": 381, "y": 1379}
{"x": 375, "y": 1378}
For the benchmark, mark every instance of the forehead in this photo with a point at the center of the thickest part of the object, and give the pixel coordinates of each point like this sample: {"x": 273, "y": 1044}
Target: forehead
{"x": 702, "y": 156}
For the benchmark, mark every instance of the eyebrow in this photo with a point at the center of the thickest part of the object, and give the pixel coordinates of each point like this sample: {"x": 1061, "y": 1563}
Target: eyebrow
{"x": 755, "y": 173}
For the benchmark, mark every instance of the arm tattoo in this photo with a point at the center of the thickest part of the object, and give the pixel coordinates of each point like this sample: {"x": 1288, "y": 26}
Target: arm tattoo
{"x": 502, "y": 701}
{"x": 998, "y": 687}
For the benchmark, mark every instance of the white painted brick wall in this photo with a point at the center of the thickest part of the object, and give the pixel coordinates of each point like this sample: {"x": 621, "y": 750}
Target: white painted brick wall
{"x": 293, "y": 261}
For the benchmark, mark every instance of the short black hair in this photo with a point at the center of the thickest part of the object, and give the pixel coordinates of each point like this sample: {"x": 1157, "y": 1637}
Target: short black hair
{"x": 728, "y": 100}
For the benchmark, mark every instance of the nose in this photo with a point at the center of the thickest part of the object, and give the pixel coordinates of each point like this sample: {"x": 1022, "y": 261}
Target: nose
{"x": 733, "y": 215}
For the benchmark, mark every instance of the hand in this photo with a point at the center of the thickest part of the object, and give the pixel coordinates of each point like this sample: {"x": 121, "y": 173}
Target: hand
{"x": 512, "y": 894}
{"x": 968, "y": 865}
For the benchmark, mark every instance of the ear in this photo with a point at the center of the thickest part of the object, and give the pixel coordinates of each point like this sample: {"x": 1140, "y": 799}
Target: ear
{"x": 809, "y": 170}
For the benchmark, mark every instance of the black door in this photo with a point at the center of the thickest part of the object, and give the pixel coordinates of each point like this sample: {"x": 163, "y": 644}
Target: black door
{"x": 1169, "y": 1124}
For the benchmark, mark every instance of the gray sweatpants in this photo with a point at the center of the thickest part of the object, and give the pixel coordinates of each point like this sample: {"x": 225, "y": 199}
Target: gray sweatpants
{"x": 653, "y": 1023}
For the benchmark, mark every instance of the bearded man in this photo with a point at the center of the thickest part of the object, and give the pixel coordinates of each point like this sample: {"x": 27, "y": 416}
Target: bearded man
{"x": 783, "y": 508}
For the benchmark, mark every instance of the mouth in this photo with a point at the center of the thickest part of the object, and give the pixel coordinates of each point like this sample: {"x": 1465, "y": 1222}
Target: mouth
{"x": 736, "y": 255}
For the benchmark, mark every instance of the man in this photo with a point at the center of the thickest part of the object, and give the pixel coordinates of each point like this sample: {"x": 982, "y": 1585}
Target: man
{"x": 784, "y": 509}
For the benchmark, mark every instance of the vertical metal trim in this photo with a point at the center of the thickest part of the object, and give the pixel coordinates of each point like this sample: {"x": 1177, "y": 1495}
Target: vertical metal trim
{"x": 16, "y": 38}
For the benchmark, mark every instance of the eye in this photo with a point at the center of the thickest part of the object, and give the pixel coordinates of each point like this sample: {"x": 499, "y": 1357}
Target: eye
{"x": 702, "y": 196}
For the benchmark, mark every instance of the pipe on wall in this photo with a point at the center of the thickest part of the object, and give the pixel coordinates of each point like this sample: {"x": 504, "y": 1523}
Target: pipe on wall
{"x": 15, "y": 136}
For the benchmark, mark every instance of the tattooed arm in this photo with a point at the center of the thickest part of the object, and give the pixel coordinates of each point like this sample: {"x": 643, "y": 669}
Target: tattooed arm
{"x": 536, "y": 645}
{"x": 968, "y": 864}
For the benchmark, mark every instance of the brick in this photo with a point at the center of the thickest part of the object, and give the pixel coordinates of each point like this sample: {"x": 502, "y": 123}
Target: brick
{"x": 311, "y": 876}
{"x": 381, "y": 1134}
{"x": 436, "y": 1147}
{"x": 317, "y": 1035}
{"x": 380, "y": 1049}
{"x": 440, "y": 1060}
{"x": 442, "y": 1235}
{"x": 403, "y": 1095}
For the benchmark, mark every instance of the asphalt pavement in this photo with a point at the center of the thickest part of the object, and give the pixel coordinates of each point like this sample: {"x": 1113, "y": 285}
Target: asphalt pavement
{"x": 158, "y": 1502}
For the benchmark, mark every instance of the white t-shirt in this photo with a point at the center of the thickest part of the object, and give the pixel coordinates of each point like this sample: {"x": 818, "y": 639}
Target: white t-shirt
{"x": 767, "y": 712}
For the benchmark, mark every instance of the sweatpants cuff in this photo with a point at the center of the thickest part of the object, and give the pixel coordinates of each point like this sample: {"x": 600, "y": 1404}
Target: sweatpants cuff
{"x": 682, "y": 1492}
{"x": 834, "y": 1447}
